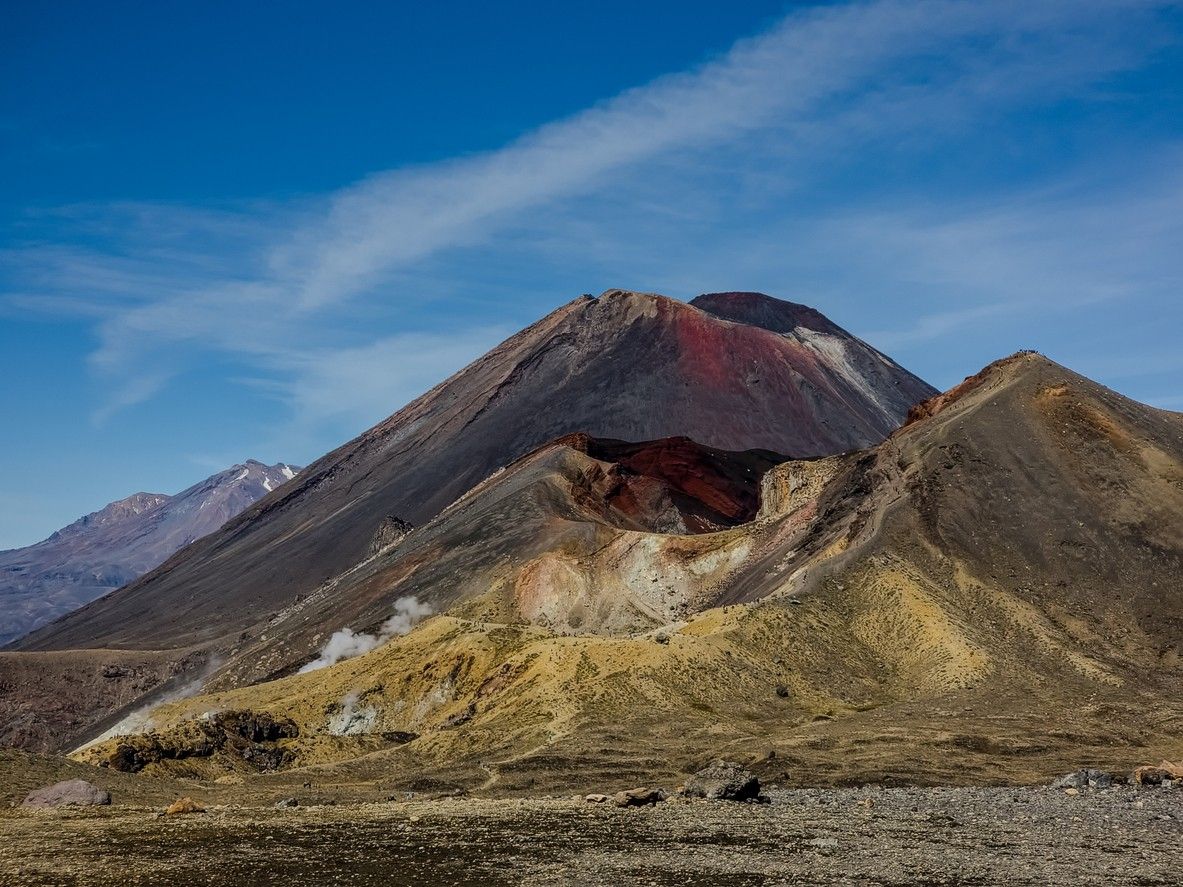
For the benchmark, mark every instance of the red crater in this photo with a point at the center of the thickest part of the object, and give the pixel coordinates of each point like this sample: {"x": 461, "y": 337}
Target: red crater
{"x": 711, "y": 489}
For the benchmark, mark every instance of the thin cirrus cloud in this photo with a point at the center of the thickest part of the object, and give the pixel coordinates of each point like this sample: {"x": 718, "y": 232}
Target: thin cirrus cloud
{"x": 1047, "y": 250}
{"x": 315, "y": 287}
{"x": 317, "y": 379}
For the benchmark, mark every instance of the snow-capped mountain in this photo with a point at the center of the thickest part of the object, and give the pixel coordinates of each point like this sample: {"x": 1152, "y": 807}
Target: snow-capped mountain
{"x": 118, "y": 543}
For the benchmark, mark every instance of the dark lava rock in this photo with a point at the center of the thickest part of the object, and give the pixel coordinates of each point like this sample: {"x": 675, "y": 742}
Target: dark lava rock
{"x": 399, "y": 737}
{"x": 71, "y": 793}
{"x": 266, "y": 758}
{"x": 255, "y": 726}
{"x": 724, "y": 781}
{"x": 1084, "y": 779}
{"x": 1165, "y": 773}
{"x": 392, "y": 530}
{"x": 461, "y": 717}
{"x": 249, "y": 735}
{"x": 638, "y": 797}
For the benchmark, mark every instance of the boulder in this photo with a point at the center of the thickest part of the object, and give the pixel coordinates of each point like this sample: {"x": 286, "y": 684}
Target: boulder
{"x": 638, "y": 797}
{"x": 596, "y": 798}
{"x": 183, "y": 805}
{"x": 724, "y": 781}
{"x": 1084, "y": 779}
{"x": 71, "y": 793}
{"x": 1164, "y": 771}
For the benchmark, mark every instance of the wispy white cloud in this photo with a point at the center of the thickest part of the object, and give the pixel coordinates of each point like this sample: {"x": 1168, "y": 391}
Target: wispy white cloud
{"x": 296, "y": 291}
{"x": 352, "y": 386}
{"x": 927, "y": 327}
{"x": 140, "y": 387}
{"x": 1030, "y": 253}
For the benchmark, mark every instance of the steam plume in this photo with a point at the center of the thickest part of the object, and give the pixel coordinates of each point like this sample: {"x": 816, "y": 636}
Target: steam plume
{"x": 347, "y": 643}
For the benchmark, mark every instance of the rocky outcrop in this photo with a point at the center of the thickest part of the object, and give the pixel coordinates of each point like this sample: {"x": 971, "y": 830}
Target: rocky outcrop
{"x": 699, "y": 489}
{"x": 390, "y": 532}
{"x": 638, "y": 797}
{"x": 1084, "y": 779}
{"x": 1164, "y": 772}
{"x": 251, "y": 737}
{"x": 723, "y": 781}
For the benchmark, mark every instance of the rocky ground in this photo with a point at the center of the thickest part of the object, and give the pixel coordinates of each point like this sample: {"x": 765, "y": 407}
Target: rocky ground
{"x": 898, "y": 836}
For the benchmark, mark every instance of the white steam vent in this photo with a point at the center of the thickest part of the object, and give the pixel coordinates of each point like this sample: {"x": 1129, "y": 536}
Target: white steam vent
{"x": 346, "y": 643}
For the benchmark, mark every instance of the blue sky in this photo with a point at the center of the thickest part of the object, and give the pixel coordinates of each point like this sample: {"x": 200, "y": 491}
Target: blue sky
{"x": 252, "y": 230}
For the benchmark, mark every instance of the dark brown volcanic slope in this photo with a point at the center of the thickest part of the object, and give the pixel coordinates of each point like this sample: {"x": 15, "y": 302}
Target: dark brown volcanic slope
{"x": 119, "y": 543}
{"x": 1007, "y": 477}
{"x": 626, "y": 366}
{"x": 991, "y": 595}
{"x": 563, "y": 537}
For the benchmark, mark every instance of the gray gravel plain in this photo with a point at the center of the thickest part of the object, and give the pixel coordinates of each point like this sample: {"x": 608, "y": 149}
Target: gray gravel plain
{"x": 896, "y": 836}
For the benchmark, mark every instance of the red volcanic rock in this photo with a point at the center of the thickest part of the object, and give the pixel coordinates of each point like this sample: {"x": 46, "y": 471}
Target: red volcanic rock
{"x": 710, "y": 488}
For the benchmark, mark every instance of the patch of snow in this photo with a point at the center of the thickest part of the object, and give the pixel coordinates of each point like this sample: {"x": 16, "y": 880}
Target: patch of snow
{"x": 286, "y": 471}
{"x": 267, "y": 484}
{"x": 244, "y": 474}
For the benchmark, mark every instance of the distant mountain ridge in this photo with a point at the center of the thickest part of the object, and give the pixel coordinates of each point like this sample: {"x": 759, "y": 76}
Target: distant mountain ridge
{"x": 120, "y": 542}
